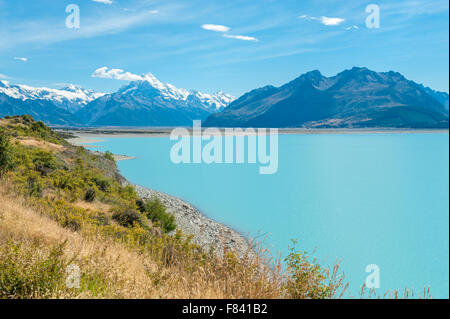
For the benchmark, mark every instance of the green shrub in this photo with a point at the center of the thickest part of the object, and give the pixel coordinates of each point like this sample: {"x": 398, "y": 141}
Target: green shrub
{"x": 34, "y": 186}
{"x": 44, "y": 162}
{"x": 101, "y": 219}
{"x": 89, "y": 196}
{"x": 308, "y": 280}
{"x": 27, "y": 118}
{"x": 102, "y": 183}
{"x": 128, "y": 218}
{"x": 109, "y": 156}
{"x": 156, "y": 212}
{"x": 72, "y": 224}
{"x": 140, "y": 205}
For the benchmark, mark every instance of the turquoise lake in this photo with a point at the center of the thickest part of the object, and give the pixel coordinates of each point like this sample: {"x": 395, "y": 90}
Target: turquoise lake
{"x": 360, "y": 198}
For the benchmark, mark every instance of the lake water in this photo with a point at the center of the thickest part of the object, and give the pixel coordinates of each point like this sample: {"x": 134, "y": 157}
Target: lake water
{"x": 361, "y": 198}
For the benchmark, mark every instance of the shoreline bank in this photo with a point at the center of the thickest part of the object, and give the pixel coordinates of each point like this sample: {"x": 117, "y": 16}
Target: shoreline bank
{"x": 206, "y": 232}
{"x": 84, "y": 133}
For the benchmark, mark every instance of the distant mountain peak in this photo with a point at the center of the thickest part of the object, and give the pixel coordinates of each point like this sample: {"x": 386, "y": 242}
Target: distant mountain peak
{"x": 356, "y": 97}
{"x": 153, "y": 80}
{"x": 71, "y": 98}
{"x": 150, "y": 86}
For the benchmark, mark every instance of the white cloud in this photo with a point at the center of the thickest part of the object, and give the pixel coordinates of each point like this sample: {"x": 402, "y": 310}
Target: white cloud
{"x": 331, "y": 21}
{"x": 222, "y": 28}
{"x": 324, "y": 20}
{"x": 21, "y": 59}
{"x": 103, "y": 1}
{"x": 116, "y": 74}
{"x": 3, "y": 77}
{"x": 240, "y": 37}
{"x": 355, "y": 27}
{"x": 215, "y": 27}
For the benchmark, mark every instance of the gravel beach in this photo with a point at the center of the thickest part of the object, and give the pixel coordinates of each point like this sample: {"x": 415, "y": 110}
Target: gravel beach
{"x": 207, "y": 233}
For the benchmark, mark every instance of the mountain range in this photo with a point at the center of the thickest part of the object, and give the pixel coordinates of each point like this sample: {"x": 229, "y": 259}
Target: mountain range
{"x": 146, "y": 102}
{"x": 355, "y": 98}
{"x": 149, "y": 102}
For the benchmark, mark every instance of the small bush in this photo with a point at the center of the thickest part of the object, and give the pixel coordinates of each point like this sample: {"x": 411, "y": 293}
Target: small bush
{"x": 156, "y": 212}
{"x": 102, "y": 183}
{"x": 141, "y": 205}
{"x": 89, "y": 196}
{"x": 308, "y": 280}
{"x": 128, "y": 218}
{"x": 44, "y": 162}
{"x": 34, "y": 186}
{"x": 109, "y": 156}
{"x": 72, "y": 224}
{"x": 101, "y": 219}
{"x": 27, "y": 118}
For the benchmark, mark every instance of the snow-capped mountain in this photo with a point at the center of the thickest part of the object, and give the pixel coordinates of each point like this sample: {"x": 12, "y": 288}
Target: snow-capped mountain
{"x": 168, "y": 91}
{"x": 149, "y": 102}
{"x": 71, "y": 98}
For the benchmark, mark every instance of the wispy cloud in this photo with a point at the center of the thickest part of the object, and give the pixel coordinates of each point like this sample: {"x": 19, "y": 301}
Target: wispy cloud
{"x": 329, "y": 21}
{"x": 240, "y": 37}
{"x": 215, "y": 27}
{"x": 50, "y": 32}
{"x": 353, "y": 27}
{"x": 3, "y": 77}
{"x": 104, "y": 1}
{"x": 225, "y": 29}
{"x": 21, "y": 59}
{"x": 116, "y": 74}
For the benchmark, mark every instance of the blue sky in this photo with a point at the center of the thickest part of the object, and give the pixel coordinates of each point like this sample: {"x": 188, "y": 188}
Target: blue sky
{"x": 244, "y": 45}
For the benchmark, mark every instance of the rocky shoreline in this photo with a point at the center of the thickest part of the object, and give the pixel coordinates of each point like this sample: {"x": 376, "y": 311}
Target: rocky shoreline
{"x": 207, "y": 233}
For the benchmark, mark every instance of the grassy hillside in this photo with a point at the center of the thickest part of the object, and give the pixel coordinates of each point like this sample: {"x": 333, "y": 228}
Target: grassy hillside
{"x": 65, "y": 211}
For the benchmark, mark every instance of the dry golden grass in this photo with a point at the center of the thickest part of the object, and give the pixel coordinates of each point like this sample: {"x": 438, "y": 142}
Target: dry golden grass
{"x": 93, "y": 206}
{"x": 126, "y": 272}
{"x": 124, "y": 269}
{"x": 41, "y": 144}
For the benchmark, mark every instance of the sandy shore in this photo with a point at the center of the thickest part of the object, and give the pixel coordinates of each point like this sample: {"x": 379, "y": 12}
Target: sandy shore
{"x": 85, "y": 140}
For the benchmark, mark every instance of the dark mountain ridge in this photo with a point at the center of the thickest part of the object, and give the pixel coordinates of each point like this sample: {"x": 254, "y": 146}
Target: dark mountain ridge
{"x": 356, "y": 98}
